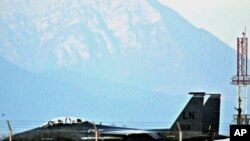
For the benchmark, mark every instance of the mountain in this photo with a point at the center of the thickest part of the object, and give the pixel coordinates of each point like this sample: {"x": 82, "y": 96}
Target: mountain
{"x": 113, "y": 61}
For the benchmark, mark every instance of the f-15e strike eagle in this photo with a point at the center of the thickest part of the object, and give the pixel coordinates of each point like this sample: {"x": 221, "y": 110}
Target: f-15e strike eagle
{"x": 196, "y": 122}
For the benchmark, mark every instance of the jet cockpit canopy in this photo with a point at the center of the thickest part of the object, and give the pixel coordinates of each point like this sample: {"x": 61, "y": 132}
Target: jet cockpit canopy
{"x": 63, "y": 120}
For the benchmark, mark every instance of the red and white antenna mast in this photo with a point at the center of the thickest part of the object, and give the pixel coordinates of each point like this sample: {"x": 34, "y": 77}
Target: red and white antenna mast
{"x": 242, "y": 79}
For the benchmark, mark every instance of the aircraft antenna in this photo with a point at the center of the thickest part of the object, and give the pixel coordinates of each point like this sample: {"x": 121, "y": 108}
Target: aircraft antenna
{"x": 96, "y": 131}
{"x": 10, "y": 131}
{"x": 180, "y": 132}
{"x": 242, "y": 79}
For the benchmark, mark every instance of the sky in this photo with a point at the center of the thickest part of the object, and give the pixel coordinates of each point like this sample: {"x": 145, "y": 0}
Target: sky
{"x": 226, "y": 19}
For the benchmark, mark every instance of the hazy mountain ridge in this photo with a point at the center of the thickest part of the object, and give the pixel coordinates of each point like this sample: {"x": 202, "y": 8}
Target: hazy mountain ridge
{"x": 75, "y": 32}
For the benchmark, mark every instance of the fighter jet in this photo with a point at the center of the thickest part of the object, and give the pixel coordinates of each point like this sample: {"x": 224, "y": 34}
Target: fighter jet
{"x": 196, "y": 122}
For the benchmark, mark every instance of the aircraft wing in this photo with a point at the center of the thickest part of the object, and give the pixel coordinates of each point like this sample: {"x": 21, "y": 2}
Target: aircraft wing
{"x": 216, "y": 137}
{"x": 131, "y": 132}
{"x": 102, "y": 138}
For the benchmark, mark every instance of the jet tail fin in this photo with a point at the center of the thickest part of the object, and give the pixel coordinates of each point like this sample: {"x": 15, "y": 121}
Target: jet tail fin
{"x": 190, "y": 119}
{"x": 211, "y": 114}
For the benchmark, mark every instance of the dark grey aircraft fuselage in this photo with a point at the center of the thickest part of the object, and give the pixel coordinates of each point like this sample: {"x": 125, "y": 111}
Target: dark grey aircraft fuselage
{"x": 196, "y": 122}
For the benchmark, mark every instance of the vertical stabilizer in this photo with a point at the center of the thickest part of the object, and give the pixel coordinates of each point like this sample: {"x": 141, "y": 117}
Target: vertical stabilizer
{"x": 211, "y": 114}
{"x": 190, "y": 119}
